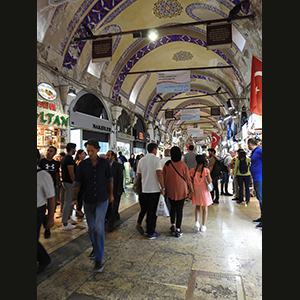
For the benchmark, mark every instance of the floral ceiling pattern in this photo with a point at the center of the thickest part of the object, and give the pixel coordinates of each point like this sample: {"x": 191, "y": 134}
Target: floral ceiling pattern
{"x": 167, "y": 8}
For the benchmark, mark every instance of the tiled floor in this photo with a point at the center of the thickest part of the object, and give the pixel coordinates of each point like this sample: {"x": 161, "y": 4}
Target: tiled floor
{"x": 225, "y": 262}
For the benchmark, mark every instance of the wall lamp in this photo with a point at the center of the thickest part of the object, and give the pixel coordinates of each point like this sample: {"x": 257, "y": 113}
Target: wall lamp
{"x": 72, "y": 92}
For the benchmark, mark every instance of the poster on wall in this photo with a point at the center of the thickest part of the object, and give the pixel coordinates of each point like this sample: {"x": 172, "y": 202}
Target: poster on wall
{"x": 173, "y": 82}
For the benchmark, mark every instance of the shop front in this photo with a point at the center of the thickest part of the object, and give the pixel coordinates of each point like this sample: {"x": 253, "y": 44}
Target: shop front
{"x": 52, "y": 123}
{"x": 141, "y": 137}
{"x": 89, "y": 118}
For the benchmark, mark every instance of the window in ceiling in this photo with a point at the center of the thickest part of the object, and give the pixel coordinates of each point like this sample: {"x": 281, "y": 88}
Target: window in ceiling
{"x": 238, "y": 39}
{"x": 137, "y": 87}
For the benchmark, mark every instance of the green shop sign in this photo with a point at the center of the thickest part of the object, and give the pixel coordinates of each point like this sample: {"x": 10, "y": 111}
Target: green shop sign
{"x": 52, "y": 119}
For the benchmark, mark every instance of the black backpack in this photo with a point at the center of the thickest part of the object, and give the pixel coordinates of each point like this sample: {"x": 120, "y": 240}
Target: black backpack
{"x": 243, "y": 167}
{"x": 216, "y": 171}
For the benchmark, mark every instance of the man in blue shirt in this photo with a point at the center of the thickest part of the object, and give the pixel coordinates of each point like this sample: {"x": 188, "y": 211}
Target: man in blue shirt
{"x": 256, "y": 172}
{"x": 94, "y": 177}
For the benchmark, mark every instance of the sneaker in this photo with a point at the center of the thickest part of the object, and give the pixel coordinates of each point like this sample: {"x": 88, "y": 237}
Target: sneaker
{"x": 172, "y": 229}
{"x": 197, "y": 226}
{"x": 203, "y": 228}
{"x": 178, "y": 233}
{"x": 139, "y": 228}
{"x": 257, "y": 221}
{"x": 98, "y": 266}
{"x": 68, "y": 227}
{"x": 47, "y": 233}
{"x": 92, "y": 256}
{"x": 153, "y": 236}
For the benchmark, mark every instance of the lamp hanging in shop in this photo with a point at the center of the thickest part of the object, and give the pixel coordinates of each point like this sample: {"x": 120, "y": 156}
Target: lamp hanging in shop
{"x": 72, "y": 92}
{"x": 229, "y": 105}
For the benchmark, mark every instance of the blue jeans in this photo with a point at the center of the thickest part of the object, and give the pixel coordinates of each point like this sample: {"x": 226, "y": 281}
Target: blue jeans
{"x": 95, "y": 216}
{"x": 258, "y": 192}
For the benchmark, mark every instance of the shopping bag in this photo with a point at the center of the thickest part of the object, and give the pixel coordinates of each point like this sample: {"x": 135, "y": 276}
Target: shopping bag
{"x": 162, "y": 209}
{"x": 210, "y": 186}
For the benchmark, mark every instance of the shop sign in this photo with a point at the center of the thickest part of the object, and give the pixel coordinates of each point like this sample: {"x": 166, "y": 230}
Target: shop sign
{"x": 46, "y": 104}
{"x": 101, "y": 127}
{"x": 46, "y": 91}
{"x": 48, "y": 118}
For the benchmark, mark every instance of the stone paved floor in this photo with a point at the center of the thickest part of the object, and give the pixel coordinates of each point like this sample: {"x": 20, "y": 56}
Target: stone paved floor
{"x": 225, "y": 262}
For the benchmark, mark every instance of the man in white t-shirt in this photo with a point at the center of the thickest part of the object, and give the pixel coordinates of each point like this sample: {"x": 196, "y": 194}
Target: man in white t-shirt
{"x": 45, "y": 194}
{"x": 150, "y": 170}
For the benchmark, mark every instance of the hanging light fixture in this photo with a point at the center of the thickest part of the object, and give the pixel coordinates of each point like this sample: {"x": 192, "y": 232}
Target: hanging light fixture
{"x": 72, "y": 92}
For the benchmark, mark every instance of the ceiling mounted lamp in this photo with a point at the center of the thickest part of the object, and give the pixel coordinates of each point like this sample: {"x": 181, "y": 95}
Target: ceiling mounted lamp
{"x": 227, "y": 117}
{"x": 152, "y": 35}
{"x": 218, "y": 89}
{"x": 229, "y": 105}
{"x": 72, "y": 92}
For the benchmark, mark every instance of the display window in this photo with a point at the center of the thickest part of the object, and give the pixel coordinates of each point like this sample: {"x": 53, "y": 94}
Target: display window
{"x": 50, "y": 136}
{"x": 125, "y": 148}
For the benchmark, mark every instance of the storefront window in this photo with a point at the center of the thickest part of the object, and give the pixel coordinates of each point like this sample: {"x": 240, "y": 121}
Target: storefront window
{"x": 50, "y": 136}
{"x": 125, "y": 148}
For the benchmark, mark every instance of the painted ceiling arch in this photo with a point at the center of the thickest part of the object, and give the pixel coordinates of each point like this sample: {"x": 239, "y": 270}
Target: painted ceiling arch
{"x": 183, "y": 47}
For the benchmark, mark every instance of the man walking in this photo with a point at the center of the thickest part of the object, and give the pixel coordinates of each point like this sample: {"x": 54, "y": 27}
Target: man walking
{"x": 150, "y": 170}
{"x": 52, "y": 167}
{"x": 45, "y": 194}
{"x": 68, "y": 176}
{"x": 256, "y": 172}
{"x": 190, "y": 157}
{"x": 94, "y": 177}
{"x": 215, "y": 172}
{"x": 117, "y": 174}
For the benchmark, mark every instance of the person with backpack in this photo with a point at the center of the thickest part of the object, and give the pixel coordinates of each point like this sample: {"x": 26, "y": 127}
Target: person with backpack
{"x": 242, "y": 173}
{"x": 215, "y": 172}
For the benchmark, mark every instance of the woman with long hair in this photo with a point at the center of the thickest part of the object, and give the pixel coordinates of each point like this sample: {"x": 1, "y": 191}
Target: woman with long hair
{"x": 201, "y": 197}
{"x": 176, "y": 178}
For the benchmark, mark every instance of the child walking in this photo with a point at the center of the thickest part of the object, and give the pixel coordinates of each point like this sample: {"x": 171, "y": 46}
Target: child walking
{"x": 201, "y": 195}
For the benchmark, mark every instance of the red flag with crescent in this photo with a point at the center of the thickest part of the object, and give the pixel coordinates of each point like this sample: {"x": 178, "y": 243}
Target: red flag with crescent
{"x": 214, "y": 140}
{"x": 256, "y": 86}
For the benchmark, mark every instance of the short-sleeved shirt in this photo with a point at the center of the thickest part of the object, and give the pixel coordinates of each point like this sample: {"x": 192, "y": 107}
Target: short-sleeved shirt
{"x": 256, "y": 164}
{"x": 67, "y": 161}
{"x": 147, "y": 167}
{"x": 190, "y": 159}
{"x": 93, "y": 180}
{"x": 52, "y": 167}
{"x": 45, "y": 187}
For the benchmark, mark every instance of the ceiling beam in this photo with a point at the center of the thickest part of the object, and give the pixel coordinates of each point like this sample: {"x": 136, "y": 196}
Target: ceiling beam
{"x": 207, "y": 22}
{"x": 183, "y": 69}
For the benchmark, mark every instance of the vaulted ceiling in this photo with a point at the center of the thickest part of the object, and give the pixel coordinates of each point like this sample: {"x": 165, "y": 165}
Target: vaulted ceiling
{"x": 175, "y": 48}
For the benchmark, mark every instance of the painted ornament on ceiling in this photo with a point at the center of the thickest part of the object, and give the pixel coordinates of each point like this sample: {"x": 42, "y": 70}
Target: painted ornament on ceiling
{"x": 167, "y": 8}
{"x": 182, "y": 55}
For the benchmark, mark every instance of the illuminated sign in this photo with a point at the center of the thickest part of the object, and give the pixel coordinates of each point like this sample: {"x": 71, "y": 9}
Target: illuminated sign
{"x": 46, "y": 91}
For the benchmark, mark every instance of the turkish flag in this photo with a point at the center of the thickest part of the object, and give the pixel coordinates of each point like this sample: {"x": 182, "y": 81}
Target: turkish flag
{"x": 215, "y": 140}
{"x": 256, "y": 86}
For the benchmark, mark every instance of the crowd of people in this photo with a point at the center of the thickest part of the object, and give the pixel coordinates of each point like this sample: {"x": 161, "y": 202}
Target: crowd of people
{"x": 97, "y": 183}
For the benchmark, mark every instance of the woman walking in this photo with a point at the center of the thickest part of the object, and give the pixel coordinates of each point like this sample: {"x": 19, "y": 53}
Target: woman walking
{"x": 176, "y": 178}
{"x": 201, "y": 197}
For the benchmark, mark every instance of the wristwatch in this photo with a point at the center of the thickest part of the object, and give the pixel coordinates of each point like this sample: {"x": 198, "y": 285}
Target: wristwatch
{"x": 163, "y": 189}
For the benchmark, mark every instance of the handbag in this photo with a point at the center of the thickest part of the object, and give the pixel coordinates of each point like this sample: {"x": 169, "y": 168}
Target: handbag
{"x": 162, "y": 209}
{"x": 137, "y": 186}
{"x": 210, "y": 186}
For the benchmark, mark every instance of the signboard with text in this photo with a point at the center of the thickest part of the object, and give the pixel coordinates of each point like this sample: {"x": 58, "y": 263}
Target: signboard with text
{"x": 173, "y": 82}
{"x": 218, "y": 36}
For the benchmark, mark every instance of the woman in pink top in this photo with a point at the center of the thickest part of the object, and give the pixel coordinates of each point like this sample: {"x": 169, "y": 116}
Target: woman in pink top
{"x": 201, "y": 196}
{"x": 176, "y": 187}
